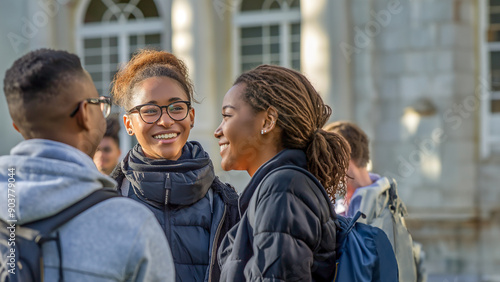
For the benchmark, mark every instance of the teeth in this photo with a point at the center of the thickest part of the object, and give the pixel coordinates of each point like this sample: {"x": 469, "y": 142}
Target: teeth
{"x": 222, "y": 147}
{"x": 166, "y": 136}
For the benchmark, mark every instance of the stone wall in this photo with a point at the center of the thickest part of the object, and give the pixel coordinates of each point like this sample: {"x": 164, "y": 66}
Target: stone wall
{"x": 13, "y": 44}
{"x": 415, "y": 72}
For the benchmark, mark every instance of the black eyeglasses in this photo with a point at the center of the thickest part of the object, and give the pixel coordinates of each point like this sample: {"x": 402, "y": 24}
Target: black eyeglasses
{"x": 151, "y": 113}
{"x": 104, "y": 102}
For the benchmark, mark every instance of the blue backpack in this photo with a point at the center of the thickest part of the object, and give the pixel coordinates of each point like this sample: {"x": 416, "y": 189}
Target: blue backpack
{"x": 364, "y": 253}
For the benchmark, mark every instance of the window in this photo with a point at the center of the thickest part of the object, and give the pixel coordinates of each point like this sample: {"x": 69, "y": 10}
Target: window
{"x": 491, "y": 107}
{"x": 112, "y": 31}
{"x": 109, "y": 33}
{"x": 267, "y": 32}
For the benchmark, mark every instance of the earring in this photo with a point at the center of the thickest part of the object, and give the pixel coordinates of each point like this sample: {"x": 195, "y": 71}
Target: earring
{"x": 262, "y": 132}
{"x": 130, "y": 132}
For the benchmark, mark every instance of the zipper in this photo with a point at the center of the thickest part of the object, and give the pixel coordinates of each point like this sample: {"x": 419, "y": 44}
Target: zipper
{"x": 167, "y": 189}
{"x": 214, "y": 248}
{"x": 166, "y": 212}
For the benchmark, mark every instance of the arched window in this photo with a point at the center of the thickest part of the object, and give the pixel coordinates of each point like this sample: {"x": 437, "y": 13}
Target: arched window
{"x": 267, "y": 32}
{"x": 112, "y": 30}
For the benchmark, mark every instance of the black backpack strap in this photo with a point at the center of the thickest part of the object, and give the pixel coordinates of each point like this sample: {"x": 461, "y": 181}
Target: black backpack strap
{"x": 36, "y": 233}
{"x": 393, "y": 193}
{"x": 36, "y": 230}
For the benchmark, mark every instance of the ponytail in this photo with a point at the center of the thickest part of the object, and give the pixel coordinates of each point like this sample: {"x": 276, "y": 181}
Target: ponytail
{"x": 328, "y": 156}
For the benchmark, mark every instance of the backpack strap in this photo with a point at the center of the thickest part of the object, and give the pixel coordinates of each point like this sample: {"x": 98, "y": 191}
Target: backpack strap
{"x": 37, "y": 230}
{"x": 397, "y": 206}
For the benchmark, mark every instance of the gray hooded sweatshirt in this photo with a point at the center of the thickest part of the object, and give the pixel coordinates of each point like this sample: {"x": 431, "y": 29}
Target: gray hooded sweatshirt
{"x": 115, "y": 240}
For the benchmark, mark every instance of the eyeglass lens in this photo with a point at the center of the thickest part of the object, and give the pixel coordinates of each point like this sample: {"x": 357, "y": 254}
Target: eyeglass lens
{"x": 105, "y": 108}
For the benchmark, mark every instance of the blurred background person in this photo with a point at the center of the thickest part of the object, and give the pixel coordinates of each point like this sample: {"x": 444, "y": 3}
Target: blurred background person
{"x": 377, "y": 197}
{"x": 108, "y": 152}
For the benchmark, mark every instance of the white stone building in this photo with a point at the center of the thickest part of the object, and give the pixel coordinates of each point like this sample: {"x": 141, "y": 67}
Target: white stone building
{"x": 422, "y": 77}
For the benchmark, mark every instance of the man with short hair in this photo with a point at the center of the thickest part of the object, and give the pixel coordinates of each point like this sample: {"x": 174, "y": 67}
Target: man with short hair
{"x": 55, "y": 106}
{"x": 358, "y": 175}
{"x": 108, "y": 152}
{"x": 377, "y": 198}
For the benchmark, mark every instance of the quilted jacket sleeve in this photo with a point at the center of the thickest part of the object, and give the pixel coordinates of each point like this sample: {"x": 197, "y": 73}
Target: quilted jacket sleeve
{"x": 286, "y": 220}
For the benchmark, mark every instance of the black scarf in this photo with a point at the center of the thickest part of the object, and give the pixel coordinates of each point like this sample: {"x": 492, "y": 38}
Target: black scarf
{"x": 160, "y": 182}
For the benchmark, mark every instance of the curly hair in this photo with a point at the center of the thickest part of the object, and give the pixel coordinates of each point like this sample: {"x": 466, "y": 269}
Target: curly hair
{"x": 357, "y": 139}
{"x": 301, "y": 115}
{"x": 147, "y": 63}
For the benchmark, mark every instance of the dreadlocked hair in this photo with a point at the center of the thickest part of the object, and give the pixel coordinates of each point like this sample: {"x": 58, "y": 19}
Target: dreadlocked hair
{"x": 147, "y": 63}
{"x": 301, "y": 115}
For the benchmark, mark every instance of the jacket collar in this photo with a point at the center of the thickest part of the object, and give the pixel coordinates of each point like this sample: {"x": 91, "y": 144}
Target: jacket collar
{"x": 162, "y": 182}
{"x": 285, "y": 157}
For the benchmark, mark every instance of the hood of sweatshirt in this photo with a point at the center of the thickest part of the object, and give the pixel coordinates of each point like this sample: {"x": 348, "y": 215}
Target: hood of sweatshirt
{"x": 47, "y": 177}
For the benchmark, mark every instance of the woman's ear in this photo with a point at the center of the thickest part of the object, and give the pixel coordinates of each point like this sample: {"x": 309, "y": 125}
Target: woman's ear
{"x": 128, "y": 125}
{"x": 191, "y": 116}
{"x": 270, "y": 120}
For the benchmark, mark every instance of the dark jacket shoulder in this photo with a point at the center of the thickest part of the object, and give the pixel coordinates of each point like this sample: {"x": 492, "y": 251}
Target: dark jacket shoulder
{"x": 300, "y": 186}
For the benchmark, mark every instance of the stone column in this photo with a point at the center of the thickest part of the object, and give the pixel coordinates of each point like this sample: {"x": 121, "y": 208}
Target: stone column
{"x": 324, "y": 31}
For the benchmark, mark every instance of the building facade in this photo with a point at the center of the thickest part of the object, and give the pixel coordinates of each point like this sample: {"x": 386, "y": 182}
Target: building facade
{"x": 421, "y": 77}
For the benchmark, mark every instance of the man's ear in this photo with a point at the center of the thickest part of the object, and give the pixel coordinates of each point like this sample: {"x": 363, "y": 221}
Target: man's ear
{"x": 83, "y": 116}
{"x": 15, "y": 127}
{"x": 128, "y": 125}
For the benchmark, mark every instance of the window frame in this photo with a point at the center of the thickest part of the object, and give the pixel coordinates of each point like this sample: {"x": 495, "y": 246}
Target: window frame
{"x": 284, "y": 18}
{"x": 487, "y": 118}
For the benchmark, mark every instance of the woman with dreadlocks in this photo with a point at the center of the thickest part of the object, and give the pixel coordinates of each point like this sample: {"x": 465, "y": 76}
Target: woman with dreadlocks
{"x": 271, "y": 127}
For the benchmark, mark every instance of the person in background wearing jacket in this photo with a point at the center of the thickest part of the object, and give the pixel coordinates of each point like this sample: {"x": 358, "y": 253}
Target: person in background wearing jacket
{"x": 358, "y": 174}
{"x": 363, "y": 188}
{"x": 108, "y": 152}
{"x": 55, "y": 106}
{"x": 272, "y": 117}
{"x": 171, "y": 176}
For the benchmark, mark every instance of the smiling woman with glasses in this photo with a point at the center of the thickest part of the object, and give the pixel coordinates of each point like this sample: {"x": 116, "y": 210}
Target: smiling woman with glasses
{"x": 170, "y": 175}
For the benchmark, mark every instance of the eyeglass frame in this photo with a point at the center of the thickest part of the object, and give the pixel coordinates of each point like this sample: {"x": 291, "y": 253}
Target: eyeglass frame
{"x": 94, "y": 101}
{"x": 138, "y": 109}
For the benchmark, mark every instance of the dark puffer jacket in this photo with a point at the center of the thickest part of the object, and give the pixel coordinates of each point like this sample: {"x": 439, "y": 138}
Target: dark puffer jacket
{"x": 287, "y": 231}
{"x": 194, "y": 208}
